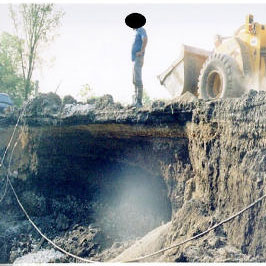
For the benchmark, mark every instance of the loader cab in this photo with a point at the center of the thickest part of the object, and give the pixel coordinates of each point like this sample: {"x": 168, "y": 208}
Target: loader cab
{"x": 253, "y": 36}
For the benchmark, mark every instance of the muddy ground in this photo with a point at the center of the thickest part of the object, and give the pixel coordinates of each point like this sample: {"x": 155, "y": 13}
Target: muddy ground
{"x": 109, "y": 182}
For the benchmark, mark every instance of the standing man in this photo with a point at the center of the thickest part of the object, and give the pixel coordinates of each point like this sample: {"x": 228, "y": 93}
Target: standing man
{"x": 136, "y": 21}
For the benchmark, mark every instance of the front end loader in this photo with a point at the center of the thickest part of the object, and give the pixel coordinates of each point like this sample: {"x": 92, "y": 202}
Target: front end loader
{"x": 236, "y": 65}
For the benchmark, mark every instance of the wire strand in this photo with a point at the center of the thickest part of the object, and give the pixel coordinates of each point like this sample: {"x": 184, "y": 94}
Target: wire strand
{"x": 8, "y": 146}
{"x": 19, "y": 202}
{"x": 91, "y": 261}
{"x": 13, "y": 133}
{"x": 16, "y": 196}
{"x": 39, "y": 231}
{"x": 199, "y": 235}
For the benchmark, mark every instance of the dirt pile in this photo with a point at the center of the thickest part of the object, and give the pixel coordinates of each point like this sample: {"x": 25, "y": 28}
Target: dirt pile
{"x": 97, "y": 177}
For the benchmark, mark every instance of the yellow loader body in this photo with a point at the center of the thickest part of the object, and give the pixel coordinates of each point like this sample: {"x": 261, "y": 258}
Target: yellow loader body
{"x": 236, "y": 64}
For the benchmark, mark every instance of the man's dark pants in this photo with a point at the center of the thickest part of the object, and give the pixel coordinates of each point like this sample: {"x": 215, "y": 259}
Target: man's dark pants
{"x": 137, "y": 79}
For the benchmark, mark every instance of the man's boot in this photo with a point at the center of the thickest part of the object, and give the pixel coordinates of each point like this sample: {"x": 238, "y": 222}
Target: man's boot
{"x": 139, "y": 103}
{"x": 139, "y": 97}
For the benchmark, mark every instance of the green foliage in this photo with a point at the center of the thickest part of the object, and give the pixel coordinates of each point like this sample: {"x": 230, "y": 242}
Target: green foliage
{"x": 35, "y": 26}
{"x": 86, "y": 92}
{"x": 11, "y": 80}
{"x": 146, "y": 98}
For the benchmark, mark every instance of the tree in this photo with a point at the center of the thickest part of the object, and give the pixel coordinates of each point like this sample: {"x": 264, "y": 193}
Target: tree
{"x": 11, "y": 80}
{"x": 35, "y": 26}
{"x": 86, "y": 92}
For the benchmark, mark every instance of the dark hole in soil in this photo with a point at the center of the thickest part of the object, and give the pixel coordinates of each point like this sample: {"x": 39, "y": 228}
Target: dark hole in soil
{"x": 125, "y": 200}
{"x": 91, "y": 187}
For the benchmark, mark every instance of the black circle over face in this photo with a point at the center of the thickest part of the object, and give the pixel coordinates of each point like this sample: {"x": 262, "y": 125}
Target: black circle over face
{"x": 135, "y": 20}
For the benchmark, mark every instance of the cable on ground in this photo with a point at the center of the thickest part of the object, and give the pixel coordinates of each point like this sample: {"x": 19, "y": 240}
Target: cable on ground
{"x": 13, "y": 134}
{"x": 39, "y": 231}
{"x": 91, "y": 261}
{"x": 199, "y": 235}
{"x": 20, "y": 204}
{"x": 8, "y": 146}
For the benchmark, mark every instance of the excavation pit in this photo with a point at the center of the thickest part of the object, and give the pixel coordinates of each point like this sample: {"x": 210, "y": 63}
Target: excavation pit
{"x": 99, "y": 180}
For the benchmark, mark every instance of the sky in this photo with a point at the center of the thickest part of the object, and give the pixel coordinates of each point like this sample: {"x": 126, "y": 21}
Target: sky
{"x": 93, "y": 45}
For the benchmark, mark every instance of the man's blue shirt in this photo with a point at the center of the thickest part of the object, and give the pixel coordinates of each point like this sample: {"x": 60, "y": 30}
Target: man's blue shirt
{"x": 136, "y": 47}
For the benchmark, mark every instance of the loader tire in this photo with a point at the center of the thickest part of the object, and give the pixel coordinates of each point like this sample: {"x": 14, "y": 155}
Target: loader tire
{"x": 220, "y": 77}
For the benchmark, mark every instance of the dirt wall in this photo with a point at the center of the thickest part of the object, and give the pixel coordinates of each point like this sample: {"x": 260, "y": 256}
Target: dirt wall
{"x": 201, "y": 161}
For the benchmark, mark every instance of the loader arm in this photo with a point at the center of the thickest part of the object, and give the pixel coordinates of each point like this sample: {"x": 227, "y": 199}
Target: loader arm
{"x": 183, "y": 73}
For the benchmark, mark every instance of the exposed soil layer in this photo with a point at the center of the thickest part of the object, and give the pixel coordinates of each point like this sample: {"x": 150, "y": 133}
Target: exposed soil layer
{"x": 97, "y": 177}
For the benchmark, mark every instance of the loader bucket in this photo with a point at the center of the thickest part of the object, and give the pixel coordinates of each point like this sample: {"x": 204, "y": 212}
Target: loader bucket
{"x": 183, "y": 74}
